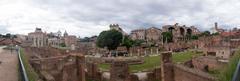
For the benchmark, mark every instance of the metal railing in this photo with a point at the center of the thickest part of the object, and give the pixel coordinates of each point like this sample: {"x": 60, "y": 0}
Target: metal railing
{"x": 236, "y": 76}
{"x": 23, "y": 74}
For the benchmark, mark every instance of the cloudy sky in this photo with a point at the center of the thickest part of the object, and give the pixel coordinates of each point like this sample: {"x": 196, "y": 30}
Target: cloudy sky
{"x": 90, "y": 17}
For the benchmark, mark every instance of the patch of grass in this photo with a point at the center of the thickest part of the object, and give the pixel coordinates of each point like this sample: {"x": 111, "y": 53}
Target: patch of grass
{"x": 104, "y": 66}
{"x": 227, "y": 73}
{"x": 32, "y": 75}
{"x": 183, "y": 56}
{"x": 149, "y": 63}
{"x": 154, "y": 61}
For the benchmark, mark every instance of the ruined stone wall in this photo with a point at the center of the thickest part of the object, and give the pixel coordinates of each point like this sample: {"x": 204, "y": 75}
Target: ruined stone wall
{"x": 93, "y": 71}
{"x": 183, "y": 73}
{"x": 43, "y": 52}
{"x": 69, "y": 73}
{"x": 224, "y": 52}
{"x": 64, "y": 68}
{"x": 205, "y": 63}
{"x": 154, "y": 75}
{"x": 177, "y": 72}
{"x": 167, "y": 71}
{"x": 119, "y": 71}
{"x": 73, "y": 70}
{"x": 133, "y": 77}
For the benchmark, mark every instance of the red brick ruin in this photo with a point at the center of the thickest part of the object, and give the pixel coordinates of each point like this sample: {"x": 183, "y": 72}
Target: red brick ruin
{"x": 167, "y": 67}
{"x": 74, "y": 67}
{"x": 119, "y": 70}
{"x": 177, "y": 72}
{"x": 54, "y": 65}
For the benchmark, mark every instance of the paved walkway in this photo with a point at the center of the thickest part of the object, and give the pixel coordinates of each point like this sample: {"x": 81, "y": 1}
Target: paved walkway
{"x": 8, "y": 65}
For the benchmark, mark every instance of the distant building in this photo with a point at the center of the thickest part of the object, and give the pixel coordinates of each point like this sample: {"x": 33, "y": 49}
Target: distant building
{"x": 37, "y": 38}
{"x": 69, "y": 40}
{"x": 221, "y": 47}
{"x": 216, "y": 29}
{"x": 139, "y": 34}
{"x": 21, "y": 38}
{"x": 117, "y": 27}
{"x": 153, "y": 34}
{"x": 180, "y": 32}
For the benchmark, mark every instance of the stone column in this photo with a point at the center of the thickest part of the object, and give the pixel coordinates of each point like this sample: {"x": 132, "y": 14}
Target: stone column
{"x": 138, "y": 52}
{"x": 167, "y": 72}
{"x": 119, "y": 70}
{"x": 151, "y": 51}
{"x": 131, "y": 54}
{"x": 145, "y": 52}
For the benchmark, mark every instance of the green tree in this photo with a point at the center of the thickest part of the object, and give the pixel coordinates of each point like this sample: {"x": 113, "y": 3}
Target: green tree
{"x": 167, "y": 36}
{"x": 215, "y": 33}
{"x": 138, "y": 42}
{"x": 205, "y": 33}
{"x": 110, "y": 39}
{"x": 194, "y": 37}
{"x": 63, "y": 45}
{"x": 127, "y": 42}
{"x": 8, "y": 35}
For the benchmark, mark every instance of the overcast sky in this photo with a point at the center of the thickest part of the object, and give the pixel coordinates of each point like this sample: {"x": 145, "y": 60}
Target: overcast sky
{"x": 90, "y": 17}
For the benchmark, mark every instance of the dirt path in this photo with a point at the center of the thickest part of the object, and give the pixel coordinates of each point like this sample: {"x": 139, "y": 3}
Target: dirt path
{"x": 8, "y": 65}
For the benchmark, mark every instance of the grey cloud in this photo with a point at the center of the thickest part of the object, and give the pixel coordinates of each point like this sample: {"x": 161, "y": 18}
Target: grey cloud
{"x": 133, "y": 14}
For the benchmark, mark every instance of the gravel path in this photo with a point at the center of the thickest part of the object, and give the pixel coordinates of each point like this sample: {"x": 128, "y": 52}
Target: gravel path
{"x": 8, "y": 65}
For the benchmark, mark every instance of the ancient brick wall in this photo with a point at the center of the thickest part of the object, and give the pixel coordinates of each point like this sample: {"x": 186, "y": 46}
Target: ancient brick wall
{"x": 167, "y": 67}
{"x": 206, "y": 63}
{"x": 43, "y": 52}
{"x": 74, "y": 70}
{"x": 155, "y": 75}
{"x": 92, "y": 71}
{"x": 69, "y": 73}
{"x": 133, "y": 77}
{"x": 119, "y": 70}
{"x": 183, "y": 73}
{"x": 175, "y": 72}
{"x": 150, "y": 76}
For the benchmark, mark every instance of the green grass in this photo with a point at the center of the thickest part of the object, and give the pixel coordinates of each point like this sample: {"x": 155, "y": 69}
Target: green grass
{"x": 149, "y": 63}
{"x": 184, "y": 56}
{"x": 32, "y": 75}
{"x": 154, "y": 61}
{"x": 226, "y": 74}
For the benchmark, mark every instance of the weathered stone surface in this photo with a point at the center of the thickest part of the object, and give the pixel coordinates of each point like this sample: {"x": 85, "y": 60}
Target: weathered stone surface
{"x": 167, "y": 71}
{"x": 119, "y": 70}
{"x": 206, "y": 63}
{"x": 183, "y": 73}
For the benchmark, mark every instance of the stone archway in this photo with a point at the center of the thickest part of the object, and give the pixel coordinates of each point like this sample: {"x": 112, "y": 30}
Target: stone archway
{"x": 182, "y": 31}
{"x": 170, "y": 29}
{"x": 189, "y": 31}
